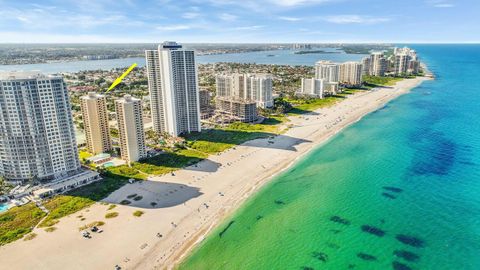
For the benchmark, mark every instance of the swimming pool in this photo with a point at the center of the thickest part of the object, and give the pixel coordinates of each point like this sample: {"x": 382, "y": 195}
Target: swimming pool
{"x": 3, "y": 207}
{"x": 108, "y": 164}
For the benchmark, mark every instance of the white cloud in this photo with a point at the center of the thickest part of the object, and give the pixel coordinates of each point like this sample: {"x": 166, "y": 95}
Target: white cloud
{"x": 440, "y": 3}
{"x": 191, "y": 15}
{"x": 268, "y": 5}
{"x": 252, "y": 27}
{"x": 227, "y": 17}
{"x": 52, "y": 18}
{"x": 46, "y": 37}
{"x": 290, "y": 19}
{"x": 355, "y": 19}
{"x": 292, "y": 3}
{"x": 174, "y": 27}
{"x": 444, "y": 5}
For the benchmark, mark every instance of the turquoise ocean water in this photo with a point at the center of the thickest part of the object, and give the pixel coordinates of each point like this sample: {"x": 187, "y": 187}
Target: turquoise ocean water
{"x": 400, "y": 189}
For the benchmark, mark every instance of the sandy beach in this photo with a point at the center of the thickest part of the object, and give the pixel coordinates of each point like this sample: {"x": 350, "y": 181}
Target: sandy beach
{"x": 190, "y": 203}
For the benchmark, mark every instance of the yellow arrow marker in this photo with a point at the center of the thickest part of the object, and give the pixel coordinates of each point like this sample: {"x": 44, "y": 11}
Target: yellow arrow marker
{"x": 119, "y": 79}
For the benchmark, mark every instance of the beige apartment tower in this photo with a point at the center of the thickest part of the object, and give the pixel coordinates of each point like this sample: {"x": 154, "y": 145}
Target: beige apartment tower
{"x": 351, "y": 73}
{"x": 378, "y": 64}
{"x": 95, "y": 119}
{"x": 130, "y": 128}
{"x": 237, "y": 109}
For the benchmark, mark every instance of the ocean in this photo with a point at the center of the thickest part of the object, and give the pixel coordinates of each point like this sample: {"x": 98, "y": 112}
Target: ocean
{"x": 400, "y": 189}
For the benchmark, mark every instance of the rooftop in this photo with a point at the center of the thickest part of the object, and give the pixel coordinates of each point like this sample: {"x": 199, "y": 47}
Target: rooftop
{"x": 24, "y": 75}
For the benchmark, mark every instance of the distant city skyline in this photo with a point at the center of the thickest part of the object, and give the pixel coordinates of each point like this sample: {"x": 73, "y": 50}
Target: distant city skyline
{"x": 248, "y": 21}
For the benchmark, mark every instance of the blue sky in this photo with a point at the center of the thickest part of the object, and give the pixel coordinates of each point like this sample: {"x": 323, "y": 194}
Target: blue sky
{"x": 246, "y": 21}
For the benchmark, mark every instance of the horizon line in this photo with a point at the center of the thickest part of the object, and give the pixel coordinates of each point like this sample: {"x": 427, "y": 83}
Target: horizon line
{"x": 255, "y": 43}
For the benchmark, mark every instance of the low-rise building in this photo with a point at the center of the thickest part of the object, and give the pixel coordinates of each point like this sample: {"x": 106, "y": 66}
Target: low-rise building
{"x": 312, "y": 87}
{"x": 237, "y": 110}
{"x": 66, "y": 184}
{"x": 318, "y": 88}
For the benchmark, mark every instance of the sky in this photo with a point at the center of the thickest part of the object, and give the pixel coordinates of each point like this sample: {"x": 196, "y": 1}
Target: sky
{"x": 239, "y": 21}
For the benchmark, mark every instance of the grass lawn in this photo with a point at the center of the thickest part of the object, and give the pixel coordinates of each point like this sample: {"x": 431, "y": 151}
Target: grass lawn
{"x": 169, "y": 161}
{"x": 18, "y": 221}
{"x": 213, "y": 141}
{"x": 272, "y": 124}
{"x": 72, "y": 202}
{"x": 372, "y": 81}
{"x": 83, "y": 155}
{"x": 302, "y": 106}
{"x": 127, "y": 171}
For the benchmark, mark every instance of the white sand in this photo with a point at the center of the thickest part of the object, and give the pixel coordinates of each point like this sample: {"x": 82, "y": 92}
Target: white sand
{"x": 181, "y": 214}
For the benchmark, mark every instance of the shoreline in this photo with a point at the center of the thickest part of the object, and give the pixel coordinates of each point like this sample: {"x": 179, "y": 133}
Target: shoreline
{"x": 201, "y": 197}
{"x": 177, "y": 258}
{"x": 180, "y": 258}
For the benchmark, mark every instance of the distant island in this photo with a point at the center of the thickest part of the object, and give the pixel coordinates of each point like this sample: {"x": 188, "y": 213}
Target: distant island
{"x": 363, "y": 49}
{"x": 313, "y": 52}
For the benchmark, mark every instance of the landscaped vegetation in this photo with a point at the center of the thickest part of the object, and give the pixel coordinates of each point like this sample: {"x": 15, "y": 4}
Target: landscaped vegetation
{"x": 306, "y": 105}
{"x": 66, "y": 204}
{"x": 29, "y": 236}
{"x": 138, "y": 213}
{"x": 373, "y": 81}
{"x": 111, "y": 215}
{"x": 19, "y": 221}
{"x": 83, "y": 155}
{"x": 92, "y": 224}
{"x": 4, "y": 186}
{"x": 50, "y": 229}
{"x": 198, "y": 146}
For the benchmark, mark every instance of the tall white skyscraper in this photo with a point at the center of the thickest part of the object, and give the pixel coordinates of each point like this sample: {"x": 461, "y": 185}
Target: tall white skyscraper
{"x": 405, "y": 61}
{"x": 259, "y": 89}
{"x": 37, "y": 136}
{"x": 130, "y": 128}
{"x": 173, "y": 85}
{"x": 246, "y": 87}
{"x": 224, "y": 85}
{"x": 327, "y": 70}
